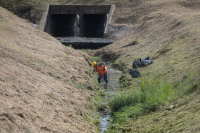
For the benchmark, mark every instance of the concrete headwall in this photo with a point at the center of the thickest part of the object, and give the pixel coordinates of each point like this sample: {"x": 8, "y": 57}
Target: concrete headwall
{"x": 88, "y": 20}
{"x": 43, "y": 20}
{"x": 109, "y": 17}
{"x": 79, "y": 9}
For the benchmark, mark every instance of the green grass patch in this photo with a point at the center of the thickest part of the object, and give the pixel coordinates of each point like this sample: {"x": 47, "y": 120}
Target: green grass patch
{"x": 85, "y": 50}
{"x": 96, "y": 58}
{"x": 99, "y": 103}
{"x": 93, "y": 118}
{"x": 151, "y": 94}
{"x": 70, "y": 46}
{"x": 176, "y": 42}
{"x": 135, "y": 42}
{"x": 81, "y": 86}
{"x": 190, "y": 83}
{"x": 99, "y": 97}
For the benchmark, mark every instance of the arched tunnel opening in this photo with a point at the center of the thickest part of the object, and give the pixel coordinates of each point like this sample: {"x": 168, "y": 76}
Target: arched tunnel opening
{"x": 63, "y": 25}
{"x": 93, "y": 25}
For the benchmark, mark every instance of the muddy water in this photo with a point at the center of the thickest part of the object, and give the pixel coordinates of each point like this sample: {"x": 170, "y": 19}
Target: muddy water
{"x": 111, "y": 88}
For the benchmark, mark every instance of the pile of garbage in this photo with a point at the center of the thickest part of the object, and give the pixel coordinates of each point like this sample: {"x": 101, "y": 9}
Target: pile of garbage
{"x": 139, "y": 63}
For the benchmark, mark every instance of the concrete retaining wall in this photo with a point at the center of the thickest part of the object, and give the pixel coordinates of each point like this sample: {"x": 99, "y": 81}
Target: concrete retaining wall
{"x": 43, "y": 20}
{"x": 109, "y": 17}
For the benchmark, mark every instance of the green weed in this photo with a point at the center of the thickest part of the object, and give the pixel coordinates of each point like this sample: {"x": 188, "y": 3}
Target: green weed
{"x": 145, "y": 99}
{"x": 81, "y": 86}
{"x": 102, "y": 92}
{"x": 135, "y": 42}
{"x": 188, "y": 84}
{"x": 85, "y": 50}
{"x": 99, "y": 98}
{"x": 71, "y": 46}
{"x": 95, "y": 119}
{"x": 96, "y": 58}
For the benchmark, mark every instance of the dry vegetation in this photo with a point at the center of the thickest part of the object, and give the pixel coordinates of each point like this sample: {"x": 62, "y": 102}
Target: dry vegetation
{"x": 44, "y": 86}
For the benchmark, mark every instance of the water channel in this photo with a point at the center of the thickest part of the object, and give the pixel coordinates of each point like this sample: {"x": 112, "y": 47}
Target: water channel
{"x": 112, "y": 87}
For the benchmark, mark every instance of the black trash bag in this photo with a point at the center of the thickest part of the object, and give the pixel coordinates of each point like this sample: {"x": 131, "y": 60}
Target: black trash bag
{"x": 142, "y": 62}
{"x": 135, "y": 64}
{"x": 147, "y": 58}
{"x": 147, "y": 61}
{"x": 134, "y": 73}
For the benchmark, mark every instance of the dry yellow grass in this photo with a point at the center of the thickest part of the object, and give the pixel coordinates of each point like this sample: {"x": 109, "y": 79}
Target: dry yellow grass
{"x": 38, "y": 82}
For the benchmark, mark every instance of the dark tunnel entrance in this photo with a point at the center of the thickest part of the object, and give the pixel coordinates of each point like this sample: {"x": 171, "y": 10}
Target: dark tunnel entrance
{"x": 79, "y": 26}
{"x": 93, "y": 25}
{"x": 63, "y": 25}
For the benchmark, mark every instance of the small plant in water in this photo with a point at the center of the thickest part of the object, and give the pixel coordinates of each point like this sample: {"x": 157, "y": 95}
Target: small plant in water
{"x": 102, "y": 92}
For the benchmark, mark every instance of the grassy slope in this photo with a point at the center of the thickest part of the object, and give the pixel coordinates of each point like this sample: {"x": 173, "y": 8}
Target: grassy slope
{"x": 44, "y": 86}
{"x": 168, "y": 31}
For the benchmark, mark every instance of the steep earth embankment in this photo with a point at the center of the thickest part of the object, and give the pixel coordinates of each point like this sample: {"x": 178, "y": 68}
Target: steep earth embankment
{"x": 168, "y": 31}
{"x": 44, "y": 86}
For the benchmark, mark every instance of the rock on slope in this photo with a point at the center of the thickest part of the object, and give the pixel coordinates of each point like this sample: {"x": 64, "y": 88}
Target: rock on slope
{"x": 42, "y": 82}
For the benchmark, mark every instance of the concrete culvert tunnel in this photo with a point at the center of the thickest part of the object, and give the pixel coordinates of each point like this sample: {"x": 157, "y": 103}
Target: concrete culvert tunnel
{"x": 62, "y": 25}
{"x": 78, "y": 25}
{"x": 93, "y": 25}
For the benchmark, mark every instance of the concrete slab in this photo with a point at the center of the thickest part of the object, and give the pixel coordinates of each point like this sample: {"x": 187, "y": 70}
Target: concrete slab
{"x": 84, "y": 40}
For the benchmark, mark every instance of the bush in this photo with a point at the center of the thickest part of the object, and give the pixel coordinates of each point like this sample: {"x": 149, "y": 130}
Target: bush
{"x": 134, "y": 42}
{"x": 147, "y": 98}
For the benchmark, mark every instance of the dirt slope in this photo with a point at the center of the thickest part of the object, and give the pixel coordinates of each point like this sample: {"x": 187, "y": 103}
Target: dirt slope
{"x": 43, "y": 84}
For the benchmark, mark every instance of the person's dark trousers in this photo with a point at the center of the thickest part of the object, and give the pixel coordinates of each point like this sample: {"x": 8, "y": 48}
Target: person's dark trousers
{"x": 105, "y": 76}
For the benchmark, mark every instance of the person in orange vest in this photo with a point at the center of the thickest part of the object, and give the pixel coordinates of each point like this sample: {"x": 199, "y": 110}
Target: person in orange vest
{"x": 101, "y": 69}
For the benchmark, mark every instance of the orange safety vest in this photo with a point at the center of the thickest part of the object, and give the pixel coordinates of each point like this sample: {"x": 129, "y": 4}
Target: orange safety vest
{"x": 101, "y": 69}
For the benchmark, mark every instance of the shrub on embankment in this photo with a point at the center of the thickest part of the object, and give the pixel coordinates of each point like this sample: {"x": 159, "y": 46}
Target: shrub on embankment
{"x": 151, "y": 94}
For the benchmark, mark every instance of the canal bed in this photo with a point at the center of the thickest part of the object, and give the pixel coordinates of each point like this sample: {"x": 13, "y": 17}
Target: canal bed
{"x": 112, "y": 87}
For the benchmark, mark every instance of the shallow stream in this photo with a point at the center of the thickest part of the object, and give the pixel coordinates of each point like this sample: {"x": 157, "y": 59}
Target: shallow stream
{"x": 111, "y": 88}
